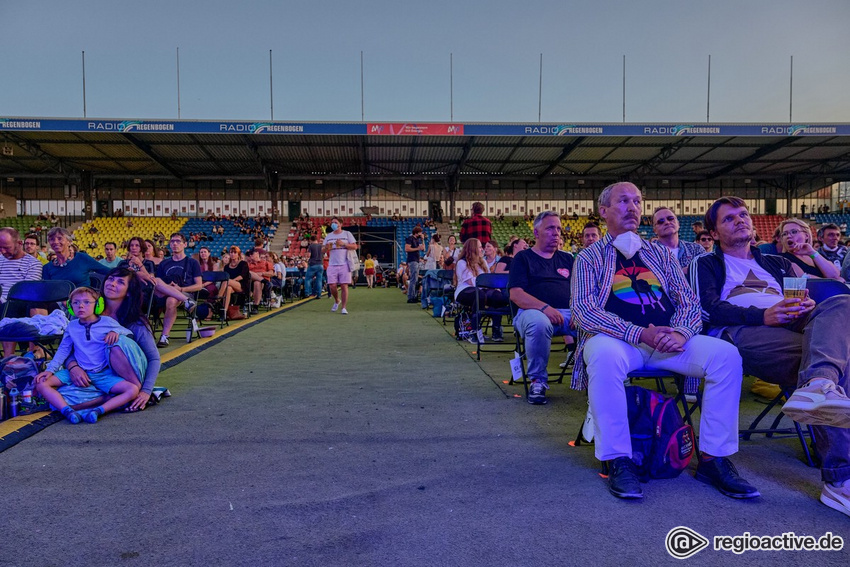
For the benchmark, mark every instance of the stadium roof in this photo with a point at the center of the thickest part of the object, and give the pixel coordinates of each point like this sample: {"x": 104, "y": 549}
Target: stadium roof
{"x": 786, "y": 155}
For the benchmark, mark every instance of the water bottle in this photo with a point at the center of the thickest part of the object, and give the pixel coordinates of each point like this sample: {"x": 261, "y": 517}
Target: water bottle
{"x": 2, "y": 403}
{"x": 13, "y": 402}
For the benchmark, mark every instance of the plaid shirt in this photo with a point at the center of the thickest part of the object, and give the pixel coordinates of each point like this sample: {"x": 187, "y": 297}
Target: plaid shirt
{"x": 478, "y": 227}
{"x": 688, "y": 251}
{"x": 593, "y": 278}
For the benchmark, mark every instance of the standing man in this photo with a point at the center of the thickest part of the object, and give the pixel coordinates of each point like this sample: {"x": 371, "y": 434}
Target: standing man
{"x": 337, "y": 244}
{"x": 181, "y": 272}
{"x": 782, "y": 340}
{"x": 477, "y": 226}
{"x": 635, "y": 310}
{"x": 315, "y": 270}
{"x": 665, "y": 224}
{"x": 111, "y": 260}
{"x": 590, "y": 234}
{"x": 15, "y": 266}
{"x": 413, "y": 245}
{"x": 539, "y": 285}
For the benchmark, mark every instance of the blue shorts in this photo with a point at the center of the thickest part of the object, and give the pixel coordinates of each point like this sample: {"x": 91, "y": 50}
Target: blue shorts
{"x": 106, "y": 379}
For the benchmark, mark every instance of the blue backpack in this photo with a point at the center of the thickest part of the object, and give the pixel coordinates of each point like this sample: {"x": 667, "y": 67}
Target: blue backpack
{"x": 662, "y": 443}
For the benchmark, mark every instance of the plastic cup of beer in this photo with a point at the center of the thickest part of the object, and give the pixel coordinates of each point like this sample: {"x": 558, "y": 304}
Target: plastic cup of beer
{"x": 794, "y": 288}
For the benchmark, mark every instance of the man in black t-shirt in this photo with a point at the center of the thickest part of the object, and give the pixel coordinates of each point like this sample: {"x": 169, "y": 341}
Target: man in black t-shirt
{"x": 413, "y": 245}
{"x": 182, "y": 273}
{"x": 539, "y": 286}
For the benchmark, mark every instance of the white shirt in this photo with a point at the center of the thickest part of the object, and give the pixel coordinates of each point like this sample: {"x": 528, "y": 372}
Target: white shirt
{"x": 749, "y": 285}
{"x": 338, "y": 256}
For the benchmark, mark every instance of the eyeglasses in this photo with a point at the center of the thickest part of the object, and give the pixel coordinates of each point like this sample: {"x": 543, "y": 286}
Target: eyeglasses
{"x": 792, "y": 232}
{"x": 78, "y": 302}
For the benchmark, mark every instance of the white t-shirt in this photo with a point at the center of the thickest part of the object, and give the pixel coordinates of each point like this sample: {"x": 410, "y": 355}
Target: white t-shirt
{"x": 281, "y": 268}
{"x": 338, "y": 256}
{"x": 749, "y": 285}
{"x": 463, "y": 273}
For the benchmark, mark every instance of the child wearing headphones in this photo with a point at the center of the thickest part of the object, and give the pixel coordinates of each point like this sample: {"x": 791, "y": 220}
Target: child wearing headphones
{"x": 90, "y": 336}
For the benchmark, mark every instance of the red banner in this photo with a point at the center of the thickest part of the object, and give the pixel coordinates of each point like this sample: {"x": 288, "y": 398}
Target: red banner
{"x": 427, "y": 129}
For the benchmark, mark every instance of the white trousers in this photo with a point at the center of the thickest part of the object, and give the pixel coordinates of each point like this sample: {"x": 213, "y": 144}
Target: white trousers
{"x": 609, "y": 361}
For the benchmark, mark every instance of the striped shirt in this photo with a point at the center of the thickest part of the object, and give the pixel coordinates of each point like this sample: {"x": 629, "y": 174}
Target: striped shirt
{"x": 592, "y": 281}
{"x": 26, "y": 269}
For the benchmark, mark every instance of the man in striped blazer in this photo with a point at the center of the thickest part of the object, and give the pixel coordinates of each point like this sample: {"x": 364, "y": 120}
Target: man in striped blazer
{"x": 635, "y": 310}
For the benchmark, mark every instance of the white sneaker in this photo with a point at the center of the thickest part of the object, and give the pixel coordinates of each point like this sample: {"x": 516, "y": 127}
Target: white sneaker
{"x": 563, "y": 364}
{"x": 334, "y": 308}
{"x": 344, "y": 311}
{"x": 820, "y": 402}
{"x": 837, "y": 497}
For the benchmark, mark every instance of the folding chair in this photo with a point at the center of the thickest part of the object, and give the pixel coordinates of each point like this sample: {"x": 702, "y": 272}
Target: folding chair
{"x": 520, "y": 350}
{"x": 219, "y": 279}
{"x": 96, "y": 280}
{"x": 490, "y": 282}
{"x": 28, "y": 293}
{"x": 811, "y": 453}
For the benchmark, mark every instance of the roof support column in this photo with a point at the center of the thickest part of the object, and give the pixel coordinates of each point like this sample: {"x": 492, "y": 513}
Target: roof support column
{"x": 87, "y": 185}
{"x": 274, "y": 190}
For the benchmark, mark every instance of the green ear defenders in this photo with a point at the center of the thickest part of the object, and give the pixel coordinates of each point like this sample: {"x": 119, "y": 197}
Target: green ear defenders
{"x": 98, "y": 307}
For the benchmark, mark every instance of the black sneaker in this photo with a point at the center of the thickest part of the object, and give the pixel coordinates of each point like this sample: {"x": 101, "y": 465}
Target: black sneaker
{"x": 537, "y": 392}
{"x": 623, "y": 479}
{"x": 722, "y": 474}
{"x": 163, "y": 341}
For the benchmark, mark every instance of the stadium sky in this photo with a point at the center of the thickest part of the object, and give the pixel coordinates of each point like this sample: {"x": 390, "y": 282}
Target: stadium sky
{"x": 496, "y": 44}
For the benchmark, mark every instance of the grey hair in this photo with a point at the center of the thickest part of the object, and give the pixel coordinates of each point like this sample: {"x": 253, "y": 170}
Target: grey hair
{"x": 542, "y": 216}
{"x": 605, "y": 197}
{"x": 60, "y": 230}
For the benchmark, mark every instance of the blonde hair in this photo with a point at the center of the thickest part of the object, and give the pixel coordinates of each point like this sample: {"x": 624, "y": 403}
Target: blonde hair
{"x": 806, "y": 229}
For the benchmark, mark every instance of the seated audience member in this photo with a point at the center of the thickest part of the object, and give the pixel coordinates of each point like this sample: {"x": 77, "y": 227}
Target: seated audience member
{"x": 635, "y": 310}
{"x": 539, "y": 286}
{"x": 32, "y": 248}
{"x": 181, "y": 273}
{"x": 665, "y": 224}
{"x": 705, "y": 240}
{"x": 491, "y": 254}
{"x": 470, "y": 266}
{"x": 91, "y": 337}
{"x": 261, "y": 272}
{"x": 831, "y": 248}
{"x": 774, "y": 246}
{"x": 503, "y": 265}
{"x": 797, "y": 243}
{"x": 122, "y": 293}
{"x": 68, "y": 264}
{"x": 15, "y": 266}
{"x": 402, "y": 276}
{"x": 451, "y": 250}
{"x": 111, "y": 260}
{"x": 590, "y": 234}
{"x": 783, "y": 340}
{"x": 152, "y": 253}
{"x": 239, "y": 282}
{"x": 145, "y": 269}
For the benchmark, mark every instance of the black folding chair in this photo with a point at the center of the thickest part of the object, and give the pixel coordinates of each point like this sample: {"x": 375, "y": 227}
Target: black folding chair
{"x": 219, "y": 279}
{"x": 520, "y": 350}
{"x": 821, "y": 289}
{"x": 31, "y": 294}
{"x": 490, "y": 283}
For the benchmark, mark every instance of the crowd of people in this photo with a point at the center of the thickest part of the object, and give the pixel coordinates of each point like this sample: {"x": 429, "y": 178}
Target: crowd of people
{"x": 712, "y": 310}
